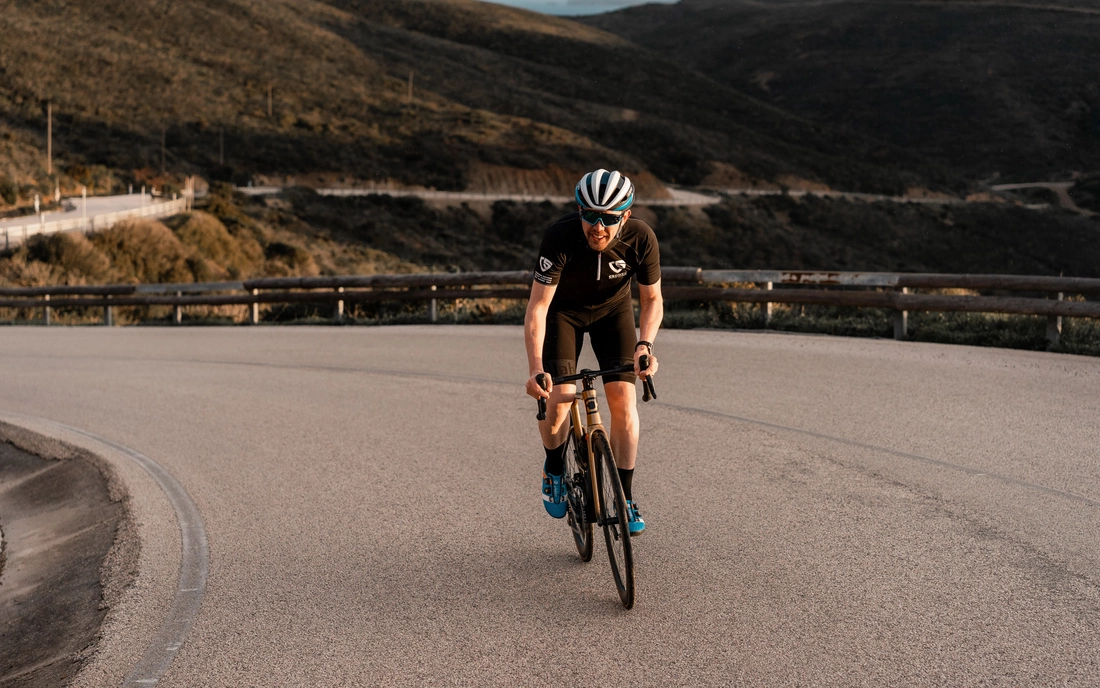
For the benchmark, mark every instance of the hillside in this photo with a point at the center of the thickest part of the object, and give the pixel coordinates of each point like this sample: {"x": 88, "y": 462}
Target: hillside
{"x": 995, "y": 90}
{"x": 765, "y": 232}
{"x": 302, "y": 233}
{"x": 318, "y": 91}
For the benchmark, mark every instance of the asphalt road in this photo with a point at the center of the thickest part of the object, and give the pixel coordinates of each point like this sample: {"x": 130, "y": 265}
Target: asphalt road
{"x": 97, "y": 205}
{"x": 822, "y": 511}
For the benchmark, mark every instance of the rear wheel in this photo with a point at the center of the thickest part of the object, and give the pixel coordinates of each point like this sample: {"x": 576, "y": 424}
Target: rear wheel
{"x": 613, "y": 518}
{"x": 576, "y": 480}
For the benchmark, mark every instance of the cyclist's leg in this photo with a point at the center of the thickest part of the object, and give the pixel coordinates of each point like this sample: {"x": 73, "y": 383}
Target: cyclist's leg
{"x": 560, "y": 350}
{"x": 558, "y": 358}
{"x": 622, "y": 402}
{"x": 613, "y": 339}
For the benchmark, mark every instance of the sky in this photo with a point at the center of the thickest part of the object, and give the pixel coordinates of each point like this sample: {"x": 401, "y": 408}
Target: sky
{"x": 575, "y": 7}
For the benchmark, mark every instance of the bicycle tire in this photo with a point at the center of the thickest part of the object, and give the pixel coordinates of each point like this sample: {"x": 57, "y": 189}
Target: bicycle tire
{"x": 579, "y": 497}
{"x": 613, "y": 518}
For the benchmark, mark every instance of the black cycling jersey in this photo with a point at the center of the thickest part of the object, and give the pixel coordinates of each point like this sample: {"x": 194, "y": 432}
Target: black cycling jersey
{"x": 588, "y": 278}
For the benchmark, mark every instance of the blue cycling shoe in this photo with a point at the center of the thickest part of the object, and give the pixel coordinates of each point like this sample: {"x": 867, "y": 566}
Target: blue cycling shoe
{"x": 635, "y": 524}
{"x": 554, "y": 495}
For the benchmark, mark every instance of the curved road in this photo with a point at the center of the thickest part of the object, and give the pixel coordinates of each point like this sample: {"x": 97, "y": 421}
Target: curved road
{"x": 822, "y": 511}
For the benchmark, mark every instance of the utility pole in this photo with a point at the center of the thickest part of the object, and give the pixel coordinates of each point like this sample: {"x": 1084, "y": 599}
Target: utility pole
{"x": 270, "y": 109}
{"x": 49, "y": 137}
{"x": 409, "y": 98}
{"x": 221, "y": 146}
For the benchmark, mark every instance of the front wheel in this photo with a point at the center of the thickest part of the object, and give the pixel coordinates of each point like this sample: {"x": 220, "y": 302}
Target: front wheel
{"x": 576, "y": 482}
{"x": 613, "y": 518}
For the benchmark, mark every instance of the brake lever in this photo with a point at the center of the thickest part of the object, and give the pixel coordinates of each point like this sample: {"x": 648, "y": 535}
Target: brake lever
{"x": 647, "y": 381}
{"x": 541, "y": 378}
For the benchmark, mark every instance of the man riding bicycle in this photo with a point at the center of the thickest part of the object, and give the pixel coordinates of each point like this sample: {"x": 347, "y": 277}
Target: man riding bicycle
{"x": 582, "y": 284}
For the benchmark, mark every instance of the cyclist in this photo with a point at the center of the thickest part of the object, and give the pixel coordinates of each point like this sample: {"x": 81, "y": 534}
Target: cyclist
{"x": 582, "y": 284}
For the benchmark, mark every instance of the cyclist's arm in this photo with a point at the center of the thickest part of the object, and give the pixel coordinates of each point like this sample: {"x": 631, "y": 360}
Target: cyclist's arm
{"x": 653, "y": 312}
{"x": 534, "y": 329}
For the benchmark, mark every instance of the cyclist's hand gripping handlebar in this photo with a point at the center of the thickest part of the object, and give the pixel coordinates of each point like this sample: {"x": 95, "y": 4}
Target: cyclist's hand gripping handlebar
{"x": 541, "y": 377}
{"x": 647, "y": 382}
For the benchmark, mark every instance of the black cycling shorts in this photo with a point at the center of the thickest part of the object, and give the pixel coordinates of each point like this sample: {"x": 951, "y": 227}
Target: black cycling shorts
{"x": 610, "y": 328}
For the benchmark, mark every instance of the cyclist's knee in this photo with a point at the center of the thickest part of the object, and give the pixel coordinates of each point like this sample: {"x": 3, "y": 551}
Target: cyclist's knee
{"x": 557, "y": 408}
{"x": 621, "y": 395}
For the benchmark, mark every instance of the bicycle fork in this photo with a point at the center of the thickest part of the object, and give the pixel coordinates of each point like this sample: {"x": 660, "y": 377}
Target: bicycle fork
{"x": 592, "y": 421}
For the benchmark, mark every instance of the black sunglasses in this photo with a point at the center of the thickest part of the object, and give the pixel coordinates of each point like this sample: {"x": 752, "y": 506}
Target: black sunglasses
{"x": 607, "y": 219}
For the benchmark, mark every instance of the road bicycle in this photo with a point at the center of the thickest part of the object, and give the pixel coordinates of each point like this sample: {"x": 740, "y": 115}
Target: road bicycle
{"x": 594, "y": 491}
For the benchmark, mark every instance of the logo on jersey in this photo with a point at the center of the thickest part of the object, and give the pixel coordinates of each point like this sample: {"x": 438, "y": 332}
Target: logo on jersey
{"x": 545, "y": 263}
{"x": 617, "y": 266}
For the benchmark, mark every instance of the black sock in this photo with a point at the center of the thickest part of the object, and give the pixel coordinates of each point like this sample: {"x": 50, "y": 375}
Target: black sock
{"x": 555, "y": 460}
{"x": 626, "y": 476}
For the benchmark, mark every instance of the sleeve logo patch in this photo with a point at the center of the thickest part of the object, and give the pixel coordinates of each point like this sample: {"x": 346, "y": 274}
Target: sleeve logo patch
{"x": 617, "y": 266}
{"x": 545, "y": 263}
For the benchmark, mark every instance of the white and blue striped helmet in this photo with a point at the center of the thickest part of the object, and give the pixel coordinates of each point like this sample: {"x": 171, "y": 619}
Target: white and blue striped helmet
{"x": 603, "y": 190}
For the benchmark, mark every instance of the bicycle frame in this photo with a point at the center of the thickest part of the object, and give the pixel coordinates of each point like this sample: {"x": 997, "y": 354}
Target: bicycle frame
{"x": 592, "y": 422}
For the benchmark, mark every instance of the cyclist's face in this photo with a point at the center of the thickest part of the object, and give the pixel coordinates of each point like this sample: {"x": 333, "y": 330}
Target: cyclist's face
{"x": 599, "y": 236}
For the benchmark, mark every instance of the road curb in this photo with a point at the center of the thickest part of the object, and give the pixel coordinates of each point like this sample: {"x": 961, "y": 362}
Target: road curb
{"x": 152, "y": 616}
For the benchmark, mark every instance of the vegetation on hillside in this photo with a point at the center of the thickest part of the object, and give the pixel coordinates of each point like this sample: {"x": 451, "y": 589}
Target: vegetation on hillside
{"x": 777, "y": 232}
{"x": 221, "y": 243}
{"x": 994, "y": 90}
{"x": 318, "y": 91}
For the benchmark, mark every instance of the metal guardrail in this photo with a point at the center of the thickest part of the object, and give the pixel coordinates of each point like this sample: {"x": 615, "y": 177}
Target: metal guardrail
{"x": 884, "y": 290}
{"x": 17, "y": 234}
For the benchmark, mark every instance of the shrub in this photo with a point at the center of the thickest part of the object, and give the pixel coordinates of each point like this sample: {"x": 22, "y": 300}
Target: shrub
{"x": 238, "y": 256}
{"x": 8, "y": 190}
{"x": 144, "y": 251}
{"x": 72, "y": 257}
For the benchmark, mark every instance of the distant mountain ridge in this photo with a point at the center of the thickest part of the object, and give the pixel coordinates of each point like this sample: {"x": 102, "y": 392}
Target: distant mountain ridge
{"x": 995, "y": 90}
{"x": 294, "y": 88}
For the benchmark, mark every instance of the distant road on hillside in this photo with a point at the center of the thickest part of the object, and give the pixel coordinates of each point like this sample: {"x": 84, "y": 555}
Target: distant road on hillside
{"x": 74, "y": 208}
{"x": 679, "y": 196}
{"x": 1060, "y": 189}
{"x": 80, "y": 215}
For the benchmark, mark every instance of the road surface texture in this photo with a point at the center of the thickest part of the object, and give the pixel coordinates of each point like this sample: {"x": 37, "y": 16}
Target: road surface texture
{"x": 822, "y": 511}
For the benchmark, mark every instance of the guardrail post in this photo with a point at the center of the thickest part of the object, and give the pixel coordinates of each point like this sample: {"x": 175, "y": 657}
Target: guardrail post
{"x": 7, "y": 240}
{"x": 1054, "y": 327}
{"x": 768, "y": 306}
{"x": 109, "y": 315}
{"x": 47, "y": 310}
{"x": 901, "y": 319}
{"x": 177, "y": 312}
{"x": 255, "y": 315}
{"x": 432, "y": 312}
{"x": 338, "y": 315}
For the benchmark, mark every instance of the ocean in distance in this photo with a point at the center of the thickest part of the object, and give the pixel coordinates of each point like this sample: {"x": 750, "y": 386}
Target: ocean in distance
{"x": 575, "y": 8}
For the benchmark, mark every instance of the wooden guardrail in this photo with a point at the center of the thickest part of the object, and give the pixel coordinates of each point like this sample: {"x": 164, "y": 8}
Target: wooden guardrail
{"x": 892, "y": 291}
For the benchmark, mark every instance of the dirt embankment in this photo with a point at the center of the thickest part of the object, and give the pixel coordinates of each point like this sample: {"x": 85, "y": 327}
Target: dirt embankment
{"x": 70, "y": 552}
